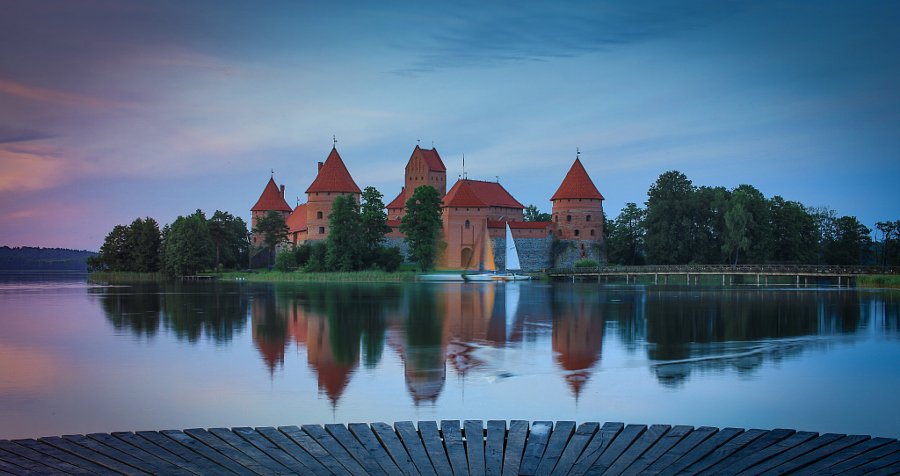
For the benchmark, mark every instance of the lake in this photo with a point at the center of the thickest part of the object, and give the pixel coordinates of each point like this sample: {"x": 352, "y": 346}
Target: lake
{"x": 77, "y": 357}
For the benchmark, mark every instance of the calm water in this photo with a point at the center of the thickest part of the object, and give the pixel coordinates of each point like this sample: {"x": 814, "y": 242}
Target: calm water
{"x": 79, "y": 358}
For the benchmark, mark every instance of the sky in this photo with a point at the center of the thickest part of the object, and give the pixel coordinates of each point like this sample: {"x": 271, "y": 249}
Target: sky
{"x": 113, "y": 110}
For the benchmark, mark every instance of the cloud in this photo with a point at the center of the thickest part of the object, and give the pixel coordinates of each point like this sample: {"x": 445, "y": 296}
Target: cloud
{"x": 9, "y": 135}
{"x": 54, "y": 96}
{"x": 31, "y": 166}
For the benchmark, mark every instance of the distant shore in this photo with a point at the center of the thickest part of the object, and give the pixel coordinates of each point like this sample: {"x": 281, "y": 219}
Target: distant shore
{"x": 262, "y": 276}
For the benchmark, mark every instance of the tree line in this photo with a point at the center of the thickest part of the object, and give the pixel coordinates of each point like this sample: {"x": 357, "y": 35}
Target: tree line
{"x": 189, "y": 244}
{"x": 682, "y": 223}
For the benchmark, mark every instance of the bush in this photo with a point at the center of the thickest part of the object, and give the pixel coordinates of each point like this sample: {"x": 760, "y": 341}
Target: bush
{"x": 286, "y": 260}
{"x": 586, "y": 263}
{"x": 316, "y": 261}
{"x": 390, "y": 259}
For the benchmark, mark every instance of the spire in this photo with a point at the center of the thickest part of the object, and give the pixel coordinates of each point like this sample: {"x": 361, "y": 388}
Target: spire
{"x": 333, "y": 176}
{"x": 271, "y": 199}
{"x": 577, "y": 184}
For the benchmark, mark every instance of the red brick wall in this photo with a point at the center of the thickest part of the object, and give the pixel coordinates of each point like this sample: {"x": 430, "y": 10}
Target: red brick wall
{"x": 319, "y": 204}
{"x": 572, "y": 214}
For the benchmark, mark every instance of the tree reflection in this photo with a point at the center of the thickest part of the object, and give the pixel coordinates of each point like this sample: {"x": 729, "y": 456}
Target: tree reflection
{"x": 132, "y": 308}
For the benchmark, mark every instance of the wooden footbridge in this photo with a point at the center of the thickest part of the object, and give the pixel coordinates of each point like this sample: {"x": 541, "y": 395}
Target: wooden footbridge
{"x": 450, "y": 448}
{"x": 754, "y": 274}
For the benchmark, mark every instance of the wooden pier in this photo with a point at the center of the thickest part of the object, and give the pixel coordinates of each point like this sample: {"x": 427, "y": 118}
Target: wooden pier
{"x": 452, "y": 448}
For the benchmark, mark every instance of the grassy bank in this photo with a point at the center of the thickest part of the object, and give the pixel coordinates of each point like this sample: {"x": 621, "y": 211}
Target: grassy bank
{"x": 879, "y": 281}
{"x": 112, "y": 277}
{"x": 354, "y": 276}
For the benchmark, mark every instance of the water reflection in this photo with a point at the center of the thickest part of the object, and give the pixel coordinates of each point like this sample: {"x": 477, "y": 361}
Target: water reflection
{"x": 434, "y": 329}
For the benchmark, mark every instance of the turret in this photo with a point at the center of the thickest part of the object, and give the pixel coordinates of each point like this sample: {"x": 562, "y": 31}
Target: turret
{"x": 333, "y": 179}
{"x": 271, "y": 199}
{"x": 578, "y": 207}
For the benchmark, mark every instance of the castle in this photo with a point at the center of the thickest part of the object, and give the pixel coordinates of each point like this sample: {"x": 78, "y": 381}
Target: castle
{"x": 474, "y": 213}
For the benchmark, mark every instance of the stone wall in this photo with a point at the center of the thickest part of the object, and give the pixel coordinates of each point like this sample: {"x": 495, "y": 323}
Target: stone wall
{"x": 390, "y": 241}
{"x": 534, "y": 253}
{"x": 576, "y": 250}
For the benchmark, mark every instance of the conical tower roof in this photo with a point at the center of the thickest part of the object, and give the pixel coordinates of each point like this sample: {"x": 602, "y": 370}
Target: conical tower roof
{"x": 333, "y": 176}
{"x": 577, "y": 184}
{"x": 271, "y": 199}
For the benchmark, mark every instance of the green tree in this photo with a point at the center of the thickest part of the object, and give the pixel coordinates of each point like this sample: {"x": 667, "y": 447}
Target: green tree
{"x": 794, "y": 232}
{"x": 143, "y": 243}
{"x": 708, "y": 206}
{"x": 373, "y": 222}
{"x": 421, "y": 225}
{"x": 316, "y": 260}
{"x": 669, "y": 220}
{"x": 625, "y": 236}
{"x": 849, "y": 243}
{"x": 760, "y": 230}
{"x": 229, "y": 236}
{"x": 345, "y": 249}
{"x": 273, "y": 229}
{"x": 187, "y": 246}
{"x": 738, "y": 222}
{"x": 533, "y": 214}
{"x": 114, "y": 254}
{"x": 890, "y": 242}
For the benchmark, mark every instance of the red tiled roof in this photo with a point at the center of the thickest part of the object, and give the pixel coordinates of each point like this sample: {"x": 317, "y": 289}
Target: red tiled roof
{"x": 297, "y": 221}
{"x": 519, "y": 225}
{"x": 476, "y": 193}
{"x": 271, "y": 199}
{"x": 432, "y": 159}
{"x": 398, "y": 202}
{"x": 577, "y": 184}
{"x": 333, "y": 176}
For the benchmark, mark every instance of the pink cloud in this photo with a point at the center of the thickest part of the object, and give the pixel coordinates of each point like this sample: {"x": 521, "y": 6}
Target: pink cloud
{"x": 54, "y": 96}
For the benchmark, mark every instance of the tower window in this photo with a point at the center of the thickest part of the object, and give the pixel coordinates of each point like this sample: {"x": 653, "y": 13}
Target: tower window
{"x": 549, "y": 232}
{"x": 587, "y": 218}
{"x": 576, "y": 232}
{"x": 321, "y": 230}
{"x": 568, "y": 217}
{"x": 592, "y": 232}
{"x": 319, "y": 215}
{"x": 559, "y": 232}
{"x": 557, "y": 218}
{"x": 467, "y": 224}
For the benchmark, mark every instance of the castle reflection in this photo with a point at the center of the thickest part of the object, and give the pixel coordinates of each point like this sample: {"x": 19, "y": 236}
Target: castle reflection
{"x": 436, "y": 328}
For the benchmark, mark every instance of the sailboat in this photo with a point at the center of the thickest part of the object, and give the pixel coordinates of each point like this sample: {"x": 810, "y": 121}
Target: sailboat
{"x": 487, "y": 261}
{"x": 511, "y": 261}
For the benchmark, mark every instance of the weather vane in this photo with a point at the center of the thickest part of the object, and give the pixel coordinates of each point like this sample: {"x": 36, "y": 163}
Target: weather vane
{"x": 334, "y": 140}
{"x": 577, "y": 153}
{"x": 273, "y": 173}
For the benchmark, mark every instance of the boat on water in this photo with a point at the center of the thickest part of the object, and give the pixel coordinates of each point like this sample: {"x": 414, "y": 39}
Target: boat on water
{"x": 440, "y": 277}
{"x": 511, "y": 263}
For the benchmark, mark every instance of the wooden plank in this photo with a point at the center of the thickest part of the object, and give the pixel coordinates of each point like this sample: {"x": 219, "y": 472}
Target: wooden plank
{"x": 456, "y": 450}
{"x": 823, "y": 465}
{"x": 794, "y": 452}
{"x": 875, "y": 464}
{"x": 599, "y": 443}
{"x": 252, "y": 452}
{"x": 297, "y": 452}
{"x": 538, "y": 437}
{"x": 391, "y": 442}
{"x": 130, "y": 459}
{"x": 311, "y": 446}
{"x": 515, "y": 446}
{"x": 630, "y": 456}
{"x": 818, "y": 454}
{"x": 683, "y": 447}
{"x": 335, "y": 449}
{"x": 474, "y": 432}
{"x": 555, "y": 447}
{"x": 662, "y": 445}
{"x": 91, "y": 455}
{"x": 21, "y": 465}
{"x": 47, "y": 460}
{"x": 726, "y": 450}
{"x": 493, "y": 447}
{"x": 771, "y": 444}
{"x": 615, "y": 449}
{"x": 64, "y": 456}
{"x": 863, "y": 458}
{"x": 413, "y": 444}
{"x": 891, "y": 470}
{"x": 212, "y": 441}
{"x": 196, "y": 465}
{"x": 117, "y": 445}
{"x": 365, "y": 445}
{"x": 270, "y": 449}
{"x": 431, "y": 438}
{"x": 178, "y": 443}
{"x": 701, "y": 450}
{"x": 577, "y": 442}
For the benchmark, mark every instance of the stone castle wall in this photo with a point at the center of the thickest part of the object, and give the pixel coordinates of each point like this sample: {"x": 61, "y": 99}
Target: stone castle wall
{"x": 534, "y": 253}
{"x": 572, "y": 251}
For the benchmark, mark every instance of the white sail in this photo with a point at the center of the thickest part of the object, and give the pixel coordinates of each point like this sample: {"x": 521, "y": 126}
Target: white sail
{"x": 512, "y": 255}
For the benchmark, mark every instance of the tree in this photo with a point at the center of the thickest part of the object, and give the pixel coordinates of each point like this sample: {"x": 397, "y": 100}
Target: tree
{"x": 708, "y": 206}
{"x": 533, "y": 214}
{"x": 849, "y": 243}
{"x": 422, "y": 225}
{"x": 273, "y": 229}
{"x": 114, "y": 255}
{"x": 229, "y": 236}
{"x": 143, "y": 243}
{"x": 625, "y": 239}
{"x": 373, "y": 220}
{"x": 738, "y": 222}
{"x": 759, "y": 232}
{"x": 187, "y": 246}
{"x": 794, "y": 232}
{"x": 345, "y": 249}
{"x": 669, "y": 220}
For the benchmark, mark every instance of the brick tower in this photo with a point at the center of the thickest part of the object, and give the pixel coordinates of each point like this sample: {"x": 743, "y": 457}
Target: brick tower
{"x": 332, "y": 180}
{"x": 578, "y": 207}
{"x": 272, "y": 199}
{"x": 424, "y": 167}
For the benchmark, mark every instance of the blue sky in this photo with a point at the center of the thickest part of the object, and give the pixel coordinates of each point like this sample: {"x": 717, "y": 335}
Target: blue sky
{"x": 112, "y": 110}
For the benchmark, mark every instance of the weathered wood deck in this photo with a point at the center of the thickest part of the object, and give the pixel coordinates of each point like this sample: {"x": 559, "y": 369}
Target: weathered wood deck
{"x": 451, "y": 448}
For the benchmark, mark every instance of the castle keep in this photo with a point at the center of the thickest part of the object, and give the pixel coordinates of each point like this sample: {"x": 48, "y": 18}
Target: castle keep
{"x": 474, "y": 213}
